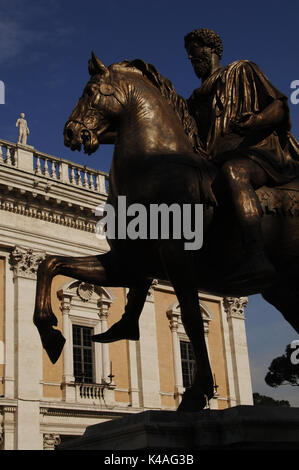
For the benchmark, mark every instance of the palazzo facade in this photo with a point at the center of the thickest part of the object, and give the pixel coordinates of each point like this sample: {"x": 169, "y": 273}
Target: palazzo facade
{"x": 47, "y": 206}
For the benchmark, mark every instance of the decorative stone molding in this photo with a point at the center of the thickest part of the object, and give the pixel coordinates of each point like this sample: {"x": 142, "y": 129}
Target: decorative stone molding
{"x": 50, "y": 441}
{"x": 173, "y": 317}
{"x": 150, "y": 294}
{"x": 175, "y": 322}
{"x": 49, "y": 209}
{"x": 234, "y": 306}
{"x": 25, "y": 261}
{"x": 85, "y": 291}
{"x": 9, "y": 409}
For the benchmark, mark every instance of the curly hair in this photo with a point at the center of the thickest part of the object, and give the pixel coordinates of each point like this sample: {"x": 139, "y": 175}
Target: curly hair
{"x": 207, "y": 37}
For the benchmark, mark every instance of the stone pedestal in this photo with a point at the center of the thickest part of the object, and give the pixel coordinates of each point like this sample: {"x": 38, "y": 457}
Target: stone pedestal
{"x": 240, "y": 427}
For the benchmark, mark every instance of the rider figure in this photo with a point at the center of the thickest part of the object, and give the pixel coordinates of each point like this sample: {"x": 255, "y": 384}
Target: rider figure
{"x": 244, "y": 125}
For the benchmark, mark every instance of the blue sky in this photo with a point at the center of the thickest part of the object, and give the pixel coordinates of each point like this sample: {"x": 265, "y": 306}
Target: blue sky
{"x": 44, "y": 49}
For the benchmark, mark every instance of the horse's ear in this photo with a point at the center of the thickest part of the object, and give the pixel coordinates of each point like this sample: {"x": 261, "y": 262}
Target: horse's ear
{"x": 96, "y": 66}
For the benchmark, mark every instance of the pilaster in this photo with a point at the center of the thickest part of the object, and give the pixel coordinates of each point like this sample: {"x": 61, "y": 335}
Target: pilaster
{"x": 148, "y": 356}
{"x": 28, "y": 349}
{"x": 234, "y": 308}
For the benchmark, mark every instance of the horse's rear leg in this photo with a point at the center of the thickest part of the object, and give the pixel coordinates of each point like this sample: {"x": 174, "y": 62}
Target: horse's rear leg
{"x": 87, "y": 269}
{"x": 181, "y": 270}
{"x": 285, "y": 298}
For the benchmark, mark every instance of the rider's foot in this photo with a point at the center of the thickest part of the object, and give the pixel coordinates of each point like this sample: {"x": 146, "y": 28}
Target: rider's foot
{"x": 123, "y": 329}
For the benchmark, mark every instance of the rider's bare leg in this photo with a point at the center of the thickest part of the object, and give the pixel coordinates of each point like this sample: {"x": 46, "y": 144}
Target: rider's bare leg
{"x": 128, "y": 326}
{"x": 242, "y": 176}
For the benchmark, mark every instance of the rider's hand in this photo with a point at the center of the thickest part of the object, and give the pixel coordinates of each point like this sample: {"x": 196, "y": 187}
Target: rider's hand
{"x": 245, "y": 123}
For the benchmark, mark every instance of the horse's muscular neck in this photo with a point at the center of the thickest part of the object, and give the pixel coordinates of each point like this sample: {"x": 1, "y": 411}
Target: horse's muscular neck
{"x": 149, "y": 125}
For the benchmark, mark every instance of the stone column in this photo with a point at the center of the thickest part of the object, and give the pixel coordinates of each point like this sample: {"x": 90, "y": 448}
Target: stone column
{"x": 105, "y": 346}
{"x": 28, "y": 349}
{"x": 178, "y": 376}
{"x": 9, "y": 370}
{"x": 213, "y": 402}
{"x": 133, "y": 373}
{"x": 108, "y": 391}
{"x": 228, "y": 357}
{"x": 234, "y": 307}
{"x": 148, "y": 356}
{"x": 68, "y": 379}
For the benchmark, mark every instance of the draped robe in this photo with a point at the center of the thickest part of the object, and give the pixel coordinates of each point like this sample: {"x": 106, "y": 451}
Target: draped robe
{"x": 227, "y": 94}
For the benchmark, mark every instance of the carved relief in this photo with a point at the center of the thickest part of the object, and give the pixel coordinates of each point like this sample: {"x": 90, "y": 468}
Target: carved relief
{"x": 51, "y": 440}
{"x": 26, "y": 261}
{"x": 150, "y": 294}
{"x": 234, "y": 306}
{"x": 85, "y": 291}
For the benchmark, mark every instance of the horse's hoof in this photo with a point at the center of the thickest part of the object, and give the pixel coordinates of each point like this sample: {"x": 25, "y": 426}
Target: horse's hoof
{"x": 53, "y": 342}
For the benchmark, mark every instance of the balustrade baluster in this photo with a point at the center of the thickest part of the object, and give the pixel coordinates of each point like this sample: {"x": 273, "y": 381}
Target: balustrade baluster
{"x": 46, "y": 169}
{"x": 59, "y": 170}
{"x": 38, "y": 170}
{"x": 8, "y": 160}
{"x": 53, "y": 170}
{"x": 72, "y": 175}
{"x": 79, "y": 178}
{"x": 85, "y": 180}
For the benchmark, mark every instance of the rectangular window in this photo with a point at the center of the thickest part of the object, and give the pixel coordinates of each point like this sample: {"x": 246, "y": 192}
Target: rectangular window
{"x": 188, "y": 363}
{"x": 83, "y": 354}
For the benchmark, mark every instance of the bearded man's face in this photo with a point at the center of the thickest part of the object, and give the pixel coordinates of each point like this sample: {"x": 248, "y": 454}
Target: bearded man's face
{"x": 201, "y": 59}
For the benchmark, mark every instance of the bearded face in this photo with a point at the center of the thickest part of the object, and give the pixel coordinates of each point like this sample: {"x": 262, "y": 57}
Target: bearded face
{"x": 201, "y": 59}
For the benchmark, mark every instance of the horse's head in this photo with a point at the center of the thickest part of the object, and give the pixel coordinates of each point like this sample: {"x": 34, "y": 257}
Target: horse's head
{"x": 96, "y": 110}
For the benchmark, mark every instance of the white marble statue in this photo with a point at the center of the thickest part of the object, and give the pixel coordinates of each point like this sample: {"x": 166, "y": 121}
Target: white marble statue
{"x": 23, "y": 129}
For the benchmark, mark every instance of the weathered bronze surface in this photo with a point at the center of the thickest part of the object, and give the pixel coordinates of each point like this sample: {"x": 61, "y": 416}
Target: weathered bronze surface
{"x": 240, "y": 157}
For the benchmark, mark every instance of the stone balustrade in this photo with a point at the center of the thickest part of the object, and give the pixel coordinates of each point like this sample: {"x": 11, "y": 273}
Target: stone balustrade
{"x": 89, "y": 392}
{"x": 56, "y": 169}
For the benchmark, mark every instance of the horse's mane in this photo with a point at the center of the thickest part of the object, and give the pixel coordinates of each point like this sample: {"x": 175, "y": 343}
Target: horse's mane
{"x": 167, "y": 90}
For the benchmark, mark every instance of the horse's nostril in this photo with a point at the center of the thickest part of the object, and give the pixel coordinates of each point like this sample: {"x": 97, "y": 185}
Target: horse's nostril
{"x": 85, "y": 135}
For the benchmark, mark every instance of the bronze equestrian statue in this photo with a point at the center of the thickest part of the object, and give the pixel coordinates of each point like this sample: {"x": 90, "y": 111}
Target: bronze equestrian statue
{"x": 230, "y": 148}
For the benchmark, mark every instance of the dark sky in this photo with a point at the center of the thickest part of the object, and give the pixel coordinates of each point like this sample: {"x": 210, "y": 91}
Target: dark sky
{"x": 44, "y": 49}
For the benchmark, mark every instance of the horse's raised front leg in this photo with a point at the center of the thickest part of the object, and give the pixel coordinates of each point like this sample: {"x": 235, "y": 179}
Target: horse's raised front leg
{"x": 87, "y": 269}
{"x": 181, "y": 270}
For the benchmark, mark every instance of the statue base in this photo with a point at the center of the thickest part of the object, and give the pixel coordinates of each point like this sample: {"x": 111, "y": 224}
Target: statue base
{"x": 240, "y": 427}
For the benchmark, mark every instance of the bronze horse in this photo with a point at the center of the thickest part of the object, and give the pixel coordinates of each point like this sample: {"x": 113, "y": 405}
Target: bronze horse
{"x": 158, "y": 159}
